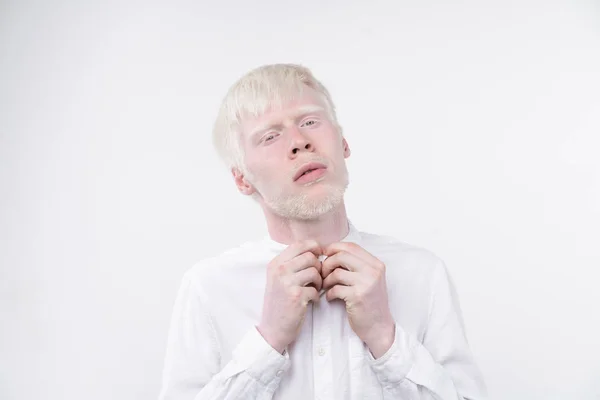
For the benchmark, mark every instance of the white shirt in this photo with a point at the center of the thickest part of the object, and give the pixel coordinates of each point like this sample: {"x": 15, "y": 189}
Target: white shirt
{"x": 215, "y": 352}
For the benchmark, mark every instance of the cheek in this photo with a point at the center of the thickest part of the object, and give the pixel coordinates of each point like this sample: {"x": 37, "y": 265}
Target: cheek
{"x": 263, "y": 168}
{"x": 334, "y": 147}
{"x": 330, "y": 138}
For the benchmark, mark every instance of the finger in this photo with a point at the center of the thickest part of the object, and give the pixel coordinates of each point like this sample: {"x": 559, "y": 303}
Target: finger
{"x": 308, "y": 276}
{"x": 351, "y": 248}
{"x": 319, "y": 265}
{"x": 339, "y": 292}
{"x": 303, "y": 261}
{"x": 342, "y": 259}
{"x": 339, "y": 276}
{"x": 310, "y": 294}
{"x": 298, "y": 248}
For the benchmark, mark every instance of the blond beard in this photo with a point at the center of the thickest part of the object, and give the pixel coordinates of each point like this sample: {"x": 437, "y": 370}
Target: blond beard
{"x": 302, "y": 206}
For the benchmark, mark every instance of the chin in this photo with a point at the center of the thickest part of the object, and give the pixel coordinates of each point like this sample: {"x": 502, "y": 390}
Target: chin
{"x": 307, "y": 205}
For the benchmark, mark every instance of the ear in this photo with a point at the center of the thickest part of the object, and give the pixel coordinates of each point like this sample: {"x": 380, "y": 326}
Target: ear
{"x": 242, "y": 184}
{"x": 347, "y": 151}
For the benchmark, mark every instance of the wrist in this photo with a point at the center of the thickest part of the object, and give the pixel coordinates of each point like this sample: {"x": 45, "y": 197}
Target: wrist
{"x": 273, "y": 341}
{"x": 381, "y": 339}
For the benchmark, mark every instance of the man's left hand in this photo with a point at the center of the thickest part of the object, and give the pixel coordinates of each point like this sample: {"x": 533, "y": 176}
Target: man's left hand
{"x": 352, "y": 274}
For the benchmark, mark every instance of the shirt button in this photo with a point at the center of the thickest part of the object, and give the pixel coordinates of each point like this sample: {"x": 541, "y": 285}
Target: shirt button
{"x": 321, "y": 351}
{"x": 279, "y": 373}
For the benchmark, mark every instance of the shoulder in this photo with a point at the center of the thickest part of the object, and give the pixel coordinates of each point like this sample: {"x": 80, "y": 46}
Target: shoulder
{"x": 229, "y": 264}
{"x": 413, "y": 275}
{"x": 400, "y": 256}
{"x": 389, "y": 245}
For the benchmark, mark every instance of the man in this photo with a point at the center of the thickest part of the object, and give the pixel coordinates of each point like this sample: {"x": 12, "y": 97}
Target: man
{"x": 317, "y": 309}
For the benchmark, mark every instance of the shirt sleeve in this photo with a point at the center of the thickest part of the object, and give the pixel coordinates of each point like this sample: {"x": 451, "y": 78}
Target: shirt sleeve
{"x": 442, "y": 367}
{"x": 192, "y": 361}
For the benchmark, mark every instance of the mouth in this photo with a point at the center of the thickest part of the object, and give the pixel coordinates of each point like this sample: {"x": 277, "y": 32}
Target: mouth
{"x": 309, "y": 172}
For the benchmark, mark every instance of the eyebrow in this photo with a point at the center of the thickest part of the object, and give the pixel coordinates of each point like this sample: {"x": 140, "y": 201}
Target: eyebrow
{"x": 300, "y": 112}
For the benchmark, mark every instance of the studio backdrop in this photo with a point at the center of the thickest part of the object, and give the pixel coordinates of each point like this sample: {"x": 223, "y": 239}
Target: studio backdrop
{"x": 474, "y": 129}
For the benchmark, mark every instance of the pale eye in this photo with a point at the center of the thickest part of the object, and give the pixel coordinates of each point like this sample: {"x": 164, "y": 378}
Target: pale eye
{"x": 269, "y": 137}
{"x": 310, "y": 122}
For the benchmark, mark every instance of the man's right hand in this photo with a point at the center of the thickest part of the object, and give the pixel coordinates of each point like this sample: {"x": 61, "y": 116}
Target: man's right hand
{"x": 293, "y": 279}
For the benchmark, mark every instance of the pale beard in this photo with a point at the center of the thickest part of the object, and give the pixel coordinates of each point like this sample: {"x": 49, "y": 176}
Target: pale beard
{"x": 306, "y": 206}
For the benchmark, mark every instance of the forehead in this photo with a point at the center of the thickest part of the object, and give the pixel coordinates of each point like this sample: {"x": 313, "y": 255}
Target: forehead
{"x": 308, "y": 102}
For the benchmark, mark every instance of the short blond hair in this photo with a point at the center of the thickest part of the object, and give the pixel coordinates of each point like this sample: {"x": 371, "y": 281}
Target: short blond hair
{"x": 252, "y": 95}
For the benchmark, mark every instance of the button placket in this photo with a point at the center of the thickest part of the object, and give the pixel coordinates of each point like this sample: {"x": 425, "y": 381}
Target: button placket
{"x": 322, "y": 357}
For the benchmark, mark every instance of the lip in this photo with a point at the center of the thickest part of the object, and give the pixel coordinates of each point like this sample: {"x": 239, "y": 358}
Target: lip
{"x": 314, "y": 175}
{"x": 306, "y": 167}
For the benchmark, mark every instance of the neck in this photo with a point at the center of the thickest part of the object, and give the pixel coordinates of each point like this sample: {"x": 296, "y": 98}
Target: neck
{"x": 325, "y": 229}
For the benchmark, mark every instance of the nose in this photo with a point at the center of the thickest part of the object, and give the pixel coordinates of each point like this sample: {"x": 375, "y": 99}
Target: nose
{"x": 299, "y": 143}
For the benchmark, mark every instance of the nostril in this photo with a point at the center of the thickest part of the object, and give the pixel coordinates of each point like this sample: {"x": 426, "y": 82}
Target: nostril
{"x": 307, "y": 146}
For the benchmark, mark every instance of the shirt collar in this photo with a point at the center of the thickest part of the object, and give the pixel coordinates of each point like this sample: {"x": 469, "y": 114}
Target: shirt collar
{"x": 353, "y": 236}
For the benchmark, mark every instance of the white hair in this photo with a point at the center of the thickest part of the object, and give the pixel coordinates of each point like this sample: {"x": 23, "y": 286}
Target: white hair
{"x": 254, "y": 94}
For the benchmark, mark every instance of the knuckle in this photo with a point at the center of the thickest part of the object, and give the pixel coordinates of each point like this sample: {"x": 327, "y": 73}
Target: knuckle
{"x": 295, "y": 293}
{"x": 280, "y": 269}
{"x": 274, "y": 268}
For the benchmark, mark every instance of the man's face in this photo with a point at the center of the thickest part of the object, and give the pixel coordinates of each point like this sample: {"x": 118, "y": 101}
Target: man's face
{"x": 283, "y": 140}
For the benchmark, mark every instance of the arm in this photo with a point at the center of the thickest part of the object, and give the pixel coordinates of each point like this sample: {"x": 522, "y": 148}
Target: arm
{"x": 192, "y": 362}
{"x": 192, "y": 368}
{"x": 442, "y": 367}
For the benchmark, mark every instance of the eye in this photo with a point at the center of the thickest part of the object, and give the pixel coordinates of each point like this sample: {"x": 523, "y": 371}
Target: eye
{"x": 269, "y": 137}
{"x": 310, "y": 122}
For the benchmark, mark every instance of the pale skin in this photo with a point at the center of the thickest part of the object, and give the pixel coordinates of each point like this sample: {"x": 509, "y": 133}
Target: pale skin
{"x": 352, "y": 274}
{"x": 276, "y": 145}
{"x": 293, "y": 280}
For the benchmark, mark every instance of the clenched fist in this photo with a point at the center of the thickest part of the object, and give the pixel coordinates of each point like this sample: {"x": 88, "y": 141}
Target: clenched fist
{"x": 293, "y": 280}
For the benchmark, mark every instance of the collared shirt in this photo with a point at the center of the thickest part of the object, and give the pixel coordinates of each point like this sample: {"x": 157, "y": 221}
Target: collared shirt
{"x": 215, "y": 352}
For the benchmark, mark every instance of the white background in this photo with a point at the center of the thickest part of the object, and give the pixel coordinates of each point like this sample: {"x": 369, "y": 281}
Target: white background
{"x": 475, "y": 131}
